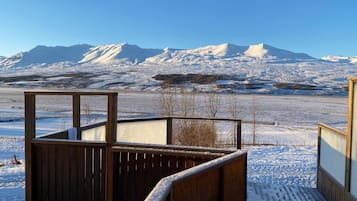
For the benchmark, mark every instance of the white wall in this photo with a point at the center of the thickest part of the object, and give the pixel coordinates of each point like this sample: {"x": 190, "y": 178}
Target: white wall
{"x": 332, "y": 154}
{"x": 95, "y": 134}
{"x": 150, "y": 132}
{"x": 354, "y": 146}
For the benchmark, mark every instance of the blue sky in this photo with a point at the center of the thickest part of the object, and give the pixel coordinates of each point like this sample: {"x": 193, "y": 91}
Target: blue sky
{"x": 316, "y": 27}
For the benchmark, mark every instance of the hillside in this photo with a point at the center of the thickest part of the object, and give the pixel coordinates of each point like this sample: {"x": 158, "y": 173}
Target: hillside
{"x": 224, "y": 68}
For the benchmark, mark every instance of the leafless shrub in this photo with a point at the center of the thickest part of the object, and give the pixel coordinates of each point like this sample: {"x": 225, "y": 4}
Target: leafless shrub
{"x": 189, "y": 132}
{"x": 197, "y": 133}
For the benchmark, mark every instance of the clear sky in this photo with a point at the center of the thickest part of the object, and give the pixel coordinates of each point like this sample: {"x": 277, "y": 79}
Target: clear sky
{"x": 316, "y": 27}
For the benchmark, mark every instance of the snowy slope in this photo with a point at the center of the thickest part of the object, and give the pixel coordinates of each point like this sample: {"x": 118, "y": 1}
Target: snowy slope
{"x": 227, "y": 51}
{"x": 262, "y": 50}
{"x": 341, "y": 59}
{"x": 47, "y": 55}
{"x": 202, "y": 54}
{"x": 105, "y": 54}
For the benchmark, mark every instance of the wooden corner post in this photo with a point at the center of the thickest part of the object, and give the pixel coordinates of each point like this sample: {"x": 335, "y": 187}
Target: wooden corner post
{"x": 350, "y": 132}
{"x": 76, "y": 116}
{"x": 169, "y": 130}
{"x": 30, "y": 128}
{"x": 110, "y": 137}
{"x": 239, "y": 134}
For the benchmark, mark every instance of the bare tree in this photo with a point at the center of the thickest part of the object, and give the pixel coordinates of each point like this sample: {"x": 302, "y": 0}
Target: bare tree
{"x": 213, "y": 104}
{"x": 87, "y": 113}
{"x": 188, "y": 103}
{"x": 167, "y": 103}
{"x": 254, "y": 117}
{"x": 233, "y": 108}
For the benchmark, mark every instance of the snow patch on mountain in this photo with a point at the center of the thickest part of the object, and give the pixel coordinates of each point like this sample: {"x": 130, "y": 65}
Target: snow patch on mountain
{"x": 199, "y": 55}
{"x": 222, "y": 50}
{"x": 47, "y": 55}
{"x": 341, "y": 59}
{"x": 261, "y": 50}
{"x": 105, "y": 54}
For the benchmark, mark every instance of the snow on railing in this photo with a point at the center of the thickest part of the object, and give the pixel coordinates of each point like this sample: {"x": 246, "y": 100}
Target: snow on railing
{"x": 205, "y": 181}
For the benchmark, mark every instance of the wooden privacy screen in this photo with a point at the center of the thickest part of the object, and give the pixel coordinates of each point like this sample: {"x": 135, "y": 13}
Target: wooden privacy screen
{"x": 337, "y": 161}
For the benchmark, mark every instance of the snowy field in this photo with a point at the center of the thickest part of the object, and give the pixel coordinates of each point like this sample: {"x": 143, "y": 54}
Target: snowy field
{"x": 285, "y": 130}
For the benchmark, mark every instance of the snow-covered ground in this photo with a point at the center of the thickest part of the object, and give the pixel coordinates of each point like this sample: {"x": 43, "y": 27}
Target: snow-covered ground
{"x": 286, "y": 125}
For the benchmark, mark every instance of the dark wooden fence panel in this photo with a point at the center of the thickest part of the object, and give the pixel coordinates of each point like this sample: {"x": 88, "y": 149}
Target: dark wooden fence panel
{"x": 137, "y": 173}
{"x": 68, "y": 172}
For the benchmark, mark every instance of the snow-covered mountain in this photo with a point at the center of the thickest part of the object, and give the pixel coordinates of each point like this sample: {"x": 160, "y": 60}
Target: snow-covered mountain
{"x": 210, "y": 52}
{"x": 47, "y": 55}
{"x": 105, "y": 54}
{"x": 127, "y": 53}
{"x": 341, "y": 59}
{"x": 227, "y": 51}
{"x": 225, "y": 68}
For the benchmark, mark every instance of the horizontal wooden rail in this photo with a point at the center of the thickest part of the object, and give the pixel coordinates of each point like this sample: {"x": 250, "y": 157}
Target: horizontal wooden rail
{"x": 334, "y": 130}
{"x": 164, "y": 188}
{"x": 169, "y": 152}
{"x": 176, "y": 147}
{"x": 71, "y": 93}
{"x": 67, "y": 142}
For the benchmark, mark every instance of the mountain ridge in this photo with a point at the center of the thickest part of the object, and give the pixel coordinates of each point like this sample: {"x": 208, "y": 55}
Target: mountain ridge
{"x": 129, "y": 53}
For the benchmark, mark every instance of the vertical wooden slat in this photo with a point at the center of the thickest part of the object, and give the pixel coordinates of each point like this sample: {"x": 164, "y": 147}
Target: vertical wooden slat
{"x": 140, "y": 189}
{"x": 73, "y": 166}
{"x": 116, "y": 175}
{"x": 110, "y": 138}
{"x": 123, "y": 184}
{"x": 52, "y": 172}
{"x": 79, "y": 161}
{"x": 88, "y": 174}
{"x": 103, "y": 174}
{"x": 45, "y": 174}
{"x": 30, "y": 127}
{"x": 37, "y": 173}
{"x": 60, "y": 157}
{"x": 97, "y": 174}
{"x": 76, "y": 110}
{"x": 66, "y": 173}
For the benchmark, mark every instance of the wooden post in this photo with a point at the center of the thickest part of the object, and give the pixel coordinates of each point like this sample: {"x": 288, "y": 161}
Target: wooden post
{"x": 169, "y": 130}
{"x": 239, "y": 134}
{"x": 30, "y": 129}
{"x": 110, "y": 137}
{"x": 349, "y": 134}
{"x": 76, "y": 117}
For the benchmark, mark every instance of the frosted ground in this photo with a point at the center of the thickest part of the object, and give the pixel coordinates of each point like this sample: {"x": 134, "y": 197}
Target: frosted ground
{"x": 286, "y": 125}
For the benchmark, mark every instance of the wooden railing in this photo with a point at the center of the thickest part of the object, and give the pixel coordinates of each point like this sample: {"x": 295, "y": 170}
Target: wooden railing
{"x": 138, "y": 169}
{"x": 216, "y": 180}
{"x": 62, "y": 169}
